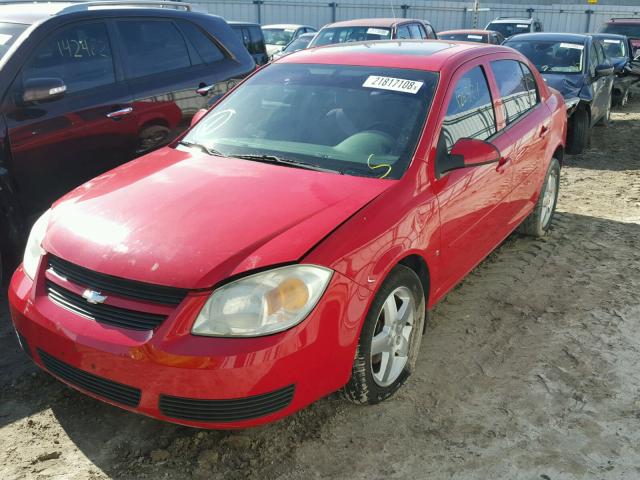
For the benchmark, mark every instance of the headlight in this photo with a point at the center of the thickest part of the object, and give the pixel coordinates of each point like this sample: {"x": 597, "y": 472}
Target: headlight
{"x": 263, "y": 303}
{"x": 34, "y": 251}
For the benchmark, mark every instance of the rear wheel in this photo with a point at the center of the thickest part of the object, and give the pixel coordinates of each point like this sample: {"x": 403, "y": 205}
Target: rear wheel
{"x": 578, "y": 132}
{"x": 538, "y": 222}
{"x": 390, "y": 339}
{"x": 151, "y": 137}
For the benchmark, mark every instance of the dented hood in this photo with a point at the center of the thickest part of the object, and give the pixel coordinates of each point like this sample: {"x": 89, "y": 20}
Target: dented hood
{"x": 190, "y": 220}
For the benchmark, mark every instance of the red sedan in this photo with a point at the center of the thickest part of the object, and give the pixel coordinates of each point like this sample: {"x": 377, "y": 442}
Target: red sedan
{"x": 291, "y": 243}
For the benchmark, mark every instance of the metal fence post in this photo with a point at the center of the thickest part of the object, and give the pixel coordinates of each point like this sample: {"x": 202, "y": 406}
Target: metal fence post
{"x": 334, "y": 7}
{"x": 404, "y": 10}
{"x": 530, "y": 12}
{"x": 588, "y": 25}
{"x": 258, "y": 4}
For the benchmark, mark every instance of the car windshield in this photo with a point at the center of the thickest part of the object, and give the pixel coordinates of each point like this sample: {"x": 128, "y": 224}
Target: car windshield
{"x": 328, "y": 36}
{"x": 550, "y": 56}
{"x": 362, "y": 121}
{"x": 629, "y": 29}
{"x": 299, "y": 43}
{"x": 278, "y": 36}
{"x": 508, "y": 29}
{"x": 463, "y": 37}
{"x": 8, "y": 34}
{"x": 613, "y": 48}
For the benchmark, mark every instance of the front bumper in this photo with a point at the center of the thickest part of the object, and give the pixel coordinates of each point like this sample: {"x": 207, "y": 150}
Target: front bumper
{"x": 169, "y": 374}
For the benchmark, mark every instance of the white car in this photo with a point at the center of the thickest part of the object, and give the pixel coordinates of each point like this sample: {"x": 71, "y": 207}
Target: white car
{"x": 509, "y": 26}
{"x": 276, "y": 37}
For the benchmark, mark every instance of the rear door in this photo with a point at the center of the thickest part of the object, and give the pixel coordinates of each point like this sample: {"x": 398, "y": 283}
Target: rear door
{"x": 473, "y": 201}
{"x": 166, "y": 62}
{"x": 58, "y": 144}
{"x": 527, "y": 121}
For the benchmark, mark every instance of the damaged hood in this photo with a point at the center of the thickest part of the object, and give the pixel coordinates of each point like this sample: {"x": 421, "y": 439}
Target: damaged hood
{"x": 190, "y": 220}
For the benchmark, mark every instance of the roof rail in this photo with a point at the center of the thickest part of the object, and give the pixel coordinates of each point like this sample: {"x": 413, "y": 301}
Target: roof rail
{"x": 613, "y": 19}
{"x": 514, "y": 18}
{"x": 84, "y": 6}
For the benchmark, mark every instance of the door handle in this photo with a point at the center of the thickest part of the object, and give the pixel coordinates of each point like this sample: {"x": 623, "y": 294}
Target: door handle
{"x": 118, "y": 114}
{"x": 204, "y": 90}
{"x": 503, "y": 163}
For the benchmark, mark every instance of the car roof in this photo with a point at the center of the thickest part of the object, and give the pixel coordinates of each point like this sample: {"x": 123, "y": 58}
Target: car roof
{"x": 308, "y": 34}
{"x": 238, "y": 23}
{"x": 427, "y": 55}
{"x": 609, "y": 35}
{"x": 28, "y": 12}
{"x": 512, "y": 20}
{"x": 373, "y": 22}
{"x": 551, "y": 37}
{"x": 474, "y": 31}
{"x": 285, "y": 25}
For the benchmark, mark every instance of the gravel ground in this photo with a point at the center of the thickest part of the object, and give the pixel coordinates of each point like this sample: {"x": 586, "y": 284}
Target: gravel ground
{"x": 529, "y": 370}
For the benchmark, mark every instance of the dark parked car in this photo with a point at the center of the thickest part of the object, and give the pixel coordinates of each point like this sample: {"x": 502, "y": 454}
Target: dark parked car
{"x": 629, "y": 27}
{"x": 85, "y": 89}
{"x": 576, "y": 66}
{"x": 471, "y": 35}
{"x": 509, "y": 26}
{"x": 253, "y": 40}
{"x": 618, "y": 50}
{"x": 299, "y": 43}
{"x": 368, "y": 29}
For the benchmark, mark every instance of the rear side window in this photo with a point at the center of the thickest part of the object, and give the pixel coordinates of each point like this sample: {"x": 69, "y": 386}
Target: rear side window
{"x": 515, "y": 90}
{"x": 206, "y": 49}
{"x": 431, "y": 32}
{"x": 80, "y": 55}
{"x": 470, "y": 112}
{"x": 257, "y": 41}
{"x": 417, "y": 31}
{"x": 152, "y": 46}
{"x": 403, "y": 32}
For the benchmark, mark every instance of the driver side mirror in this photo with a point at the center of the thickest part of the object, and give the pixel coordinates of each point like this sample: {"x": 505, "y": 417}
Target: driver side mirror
{"x": 43, "y": 90}
{"x": 604, "y": 70}
{"x": 470, "y": 152}
{"x": 198, "y": 115}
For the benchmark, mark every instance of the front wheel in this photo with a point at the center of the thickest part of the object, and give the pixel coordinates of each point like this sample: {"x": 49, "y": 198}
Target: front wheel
{"x": 538, "y": 222}
{"x": 390, "y": 339}
{"x": 578, "y": 132}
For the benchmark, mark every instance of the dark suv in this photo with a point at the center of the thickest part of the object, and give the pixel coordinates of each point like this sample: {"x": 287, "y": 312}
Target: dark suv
{"x": 88, "y": 86}
{"x": 253, "y": 40}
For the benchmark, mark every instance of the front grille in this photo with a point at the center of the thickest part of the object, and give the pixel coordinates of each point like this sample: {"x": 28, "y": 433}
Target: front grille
{"x": 107, "y": 314}
{"x": 99, "y": 386}
{"x": 116, "y": 286}
{"x": 226, "y": 410}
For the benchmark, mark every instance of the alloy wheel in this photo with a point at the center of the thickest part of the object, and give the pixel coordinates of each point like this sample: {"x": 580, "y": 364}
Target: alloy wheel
{"x": 391, "y": 343}
{"x": 549, "y": 199}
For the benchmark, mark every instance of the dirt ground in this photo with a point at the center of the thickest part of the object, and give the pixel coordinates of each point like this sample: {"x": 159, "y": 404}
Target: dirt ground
{"x": 529, "y": 370}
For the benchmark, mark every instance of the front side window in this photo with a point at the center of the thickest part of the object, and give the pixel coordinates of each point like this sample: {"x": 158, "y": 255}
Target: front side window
{"x": 431, "y": 33}
{"x": 328, "y": 36}
{"x": 551, "y": 56}
{"x": 470, "y": 111}
{"x": 363, "y": 121}
{"x": 403, "y": 32}
{"x": 151, "y": 47}
{"x": 514, "y": 89}
{"x": 614, "y": 48}
{"x": 9, "y": 32}
{"x": 79, "y": 55}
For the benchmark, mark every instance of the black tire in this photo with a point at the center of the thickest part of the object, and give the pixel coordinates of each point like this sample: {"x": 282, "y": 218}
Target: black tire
{"x": 152, "y": 137}
{"x": 538, "y": 222}
{"x": 578, "y": 132}
{"x": 363, "y": 388}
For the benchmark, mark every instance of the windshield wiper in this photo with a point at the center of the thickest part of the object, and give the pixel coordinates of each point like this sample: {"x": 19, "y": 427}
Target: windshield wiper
{"x": 204, "y": 148}
{"x": 285, "y": 161}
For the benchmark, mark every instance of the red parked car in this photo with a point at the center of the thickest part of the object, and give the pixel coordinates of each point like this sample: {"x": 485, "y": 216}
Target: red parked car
{"x": 291, "y": 243}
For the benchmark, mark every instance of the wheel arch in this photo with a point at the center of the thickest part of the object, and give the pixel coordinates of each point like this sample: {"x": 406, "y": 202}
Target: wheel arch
{"x": 419, "y": 265}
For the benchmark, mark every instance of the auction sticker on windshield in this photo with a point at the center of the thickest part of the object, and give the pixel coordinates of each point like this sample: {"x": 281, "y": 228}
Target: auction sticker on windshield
{"x": 377, "y": 31}
{"x": 572, "y": 45}
{"x": 395, "y": 84}
{"x": 606, "y": 40}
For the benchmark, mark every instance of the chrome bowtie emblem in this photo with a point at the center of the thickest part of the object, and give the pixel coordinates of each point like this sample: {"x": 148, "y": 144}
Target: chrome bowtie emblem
{"x": 93, "y": 297}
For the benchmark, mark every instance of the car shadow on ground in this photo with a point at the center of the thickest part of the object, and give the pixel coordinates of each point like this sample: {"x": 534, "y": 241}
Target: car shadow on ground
{"x": 505, "y": 321}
